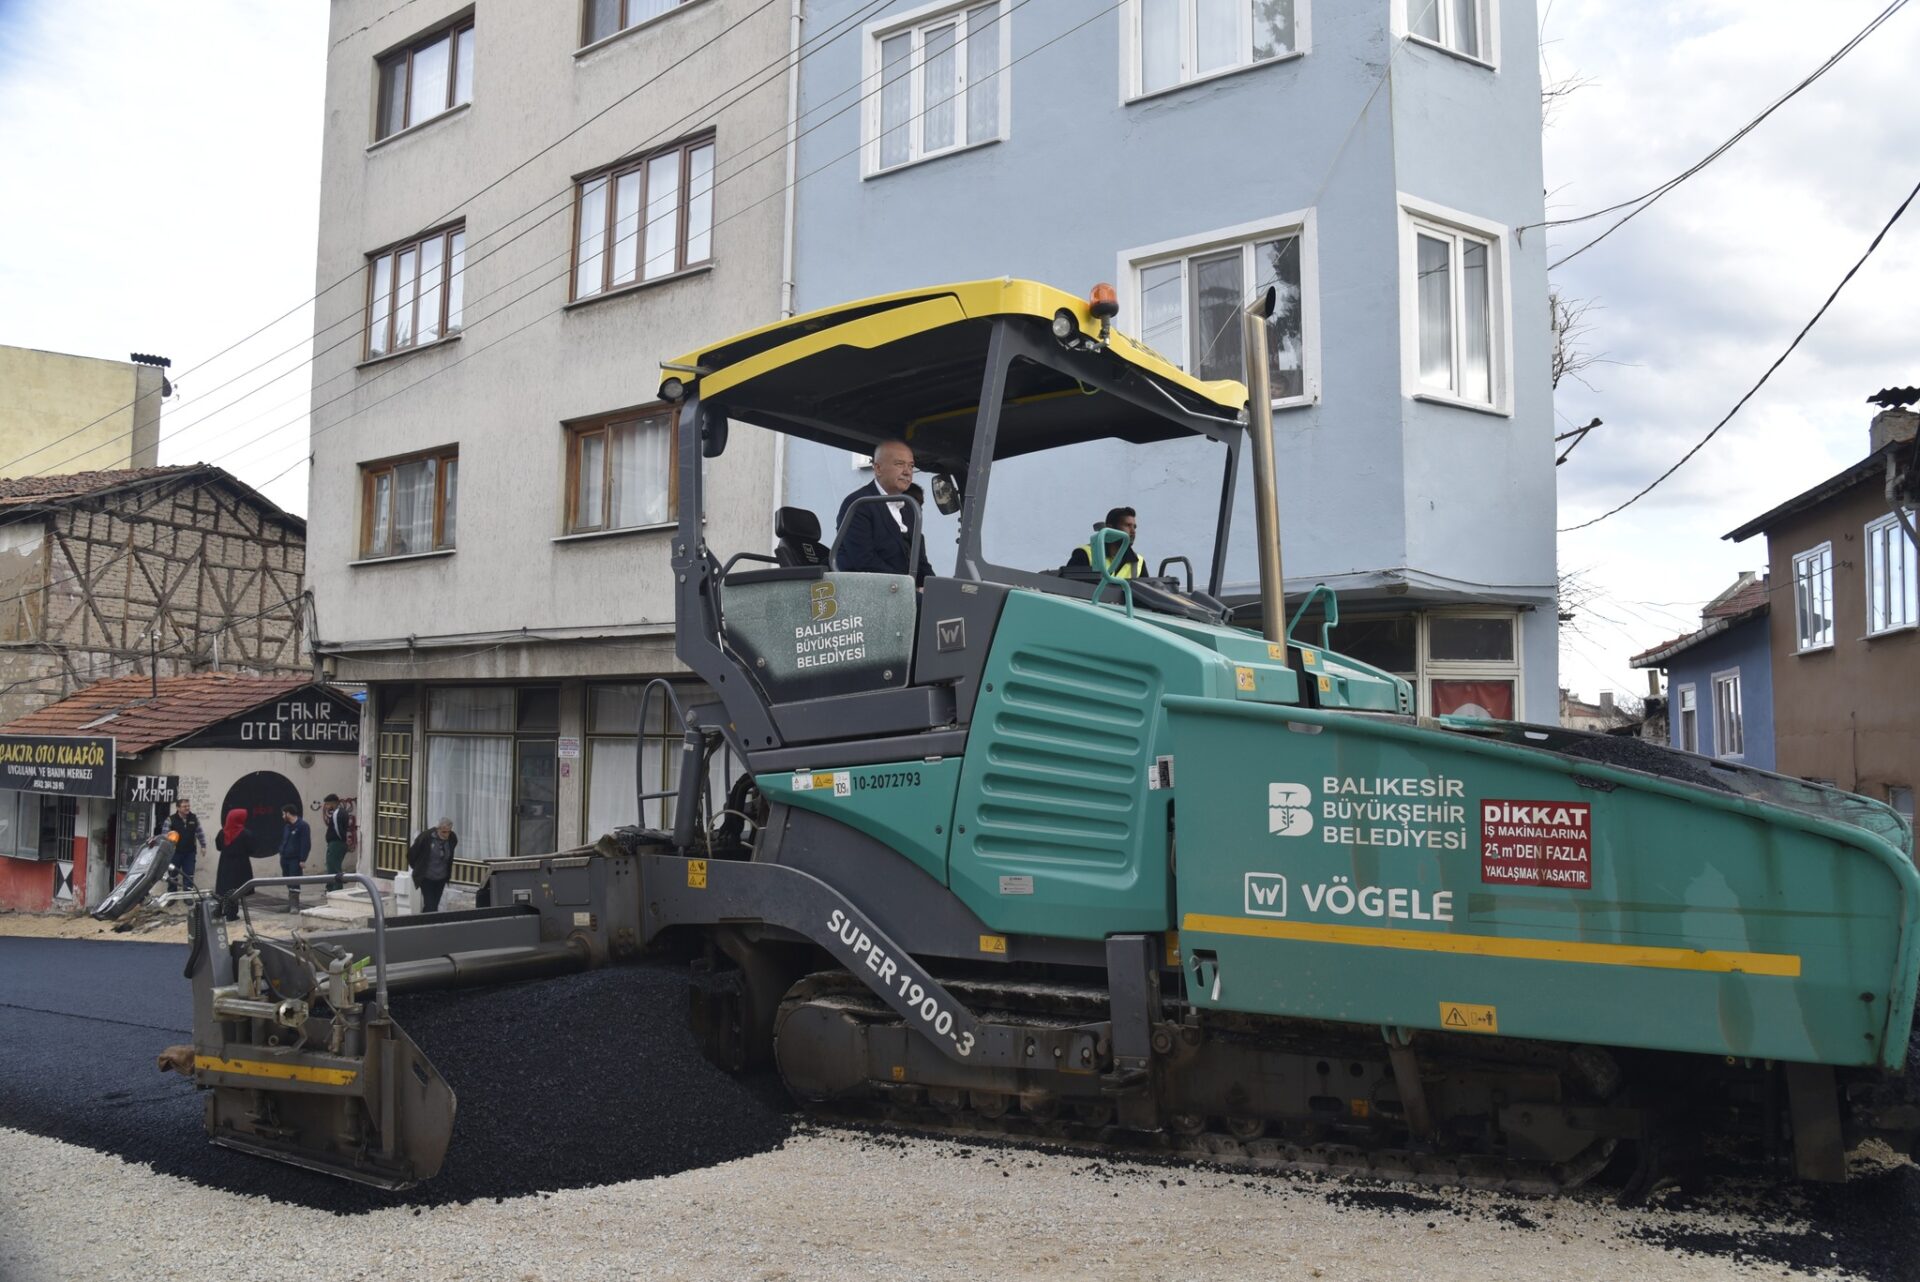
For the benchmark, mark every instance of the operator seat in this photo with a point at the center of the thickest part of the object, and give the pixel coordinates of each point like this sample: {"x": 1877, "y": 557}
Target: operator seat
{"x": 798, "y": 532}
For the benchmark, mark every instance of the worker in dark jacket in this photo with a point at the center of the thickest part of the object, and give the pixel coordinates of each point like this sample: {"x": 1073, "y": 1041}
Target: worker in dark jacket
{"x": 875, "y": 537}
{"x": 187, "y": 824}
{"x": 431, "y": 859}
{"x": 296, "y": 843}
{"x": 235, "y": 870}
{"x": 338, "y": 820}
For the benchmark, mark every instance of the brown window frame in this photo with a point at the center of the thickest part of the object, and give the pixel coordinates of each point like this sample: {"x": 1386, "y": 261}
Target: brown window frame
{"x": 626, "y": 7}
{"x": 601, "y": 425}
{"x": 612, "y": 174}
{"x": 370, "y": 473}
{"x": 448, "y": 323}
{"x": 459, "y": 36}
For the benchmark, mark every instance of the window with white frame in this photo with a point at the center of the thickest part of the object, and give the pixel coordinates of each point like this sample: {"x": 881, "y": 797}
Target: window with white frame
{"x": 1455, "y": 305}
{"x": 1471, "y": 666}
{"x": 1687, "y": 720}
{"x": 936, "y": 83}
{"x": 1464, "y": 27}
{"x": 1893, "y": 589}
{"x": 1729, "y": 733}
{"x": 1177, "y": 41}
{"x": 1813, "y": 598}
{"x": 1189, "y": 296}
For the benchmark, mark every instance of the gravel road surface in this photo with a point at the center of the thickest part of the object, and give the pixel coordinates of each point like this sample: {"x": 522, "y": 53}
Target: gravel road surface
{"x": 591, "y": 1144}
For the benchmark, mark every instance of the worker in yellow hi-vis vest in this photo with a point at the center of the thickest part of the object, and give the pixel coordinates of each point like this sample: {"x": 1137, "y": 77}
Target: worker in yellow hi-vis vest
{"x": 1119, "y": 518}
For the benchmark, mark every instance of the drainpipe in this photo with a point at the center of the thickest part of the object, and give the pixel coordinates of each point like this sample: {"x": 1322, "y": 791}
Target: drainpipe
{"x": 787, "y": 232}
{"x": 1266, "y": 495}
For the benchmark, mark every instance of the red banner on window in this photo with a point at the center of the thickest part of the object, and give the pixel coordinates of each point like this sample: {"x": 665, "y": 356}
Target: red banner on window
{"x": 1489, "y": 699}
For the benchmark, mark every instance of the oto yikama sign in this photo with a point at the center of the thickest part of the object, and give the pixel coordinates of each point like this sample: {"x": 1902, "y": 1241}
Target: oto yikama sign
{"x": 61, "y": 765}
{"x": 1537, "y": 843}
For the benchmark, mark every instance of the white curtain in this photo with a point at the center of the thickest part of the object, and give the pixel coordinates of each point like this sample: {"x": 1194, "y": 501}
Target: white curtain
{"x": 611, "y": 789}
{"x": 642, "y": 450}
{"x": 700, "y": 204}
{"x": 470, "y": 780}
{"x": 1159, "y": 44}
{"x": 1217, "y": 37}
{"x": 896, "y": 98}
{"x": 1476, "y": 337}
{"x": 1435, "y": 293}
{"x": 470, "y": 708}
{"x": 983, "y": 73}
{"x": 663, "y": 214}
{"x": 587, "y": 278}
{"x": 413, "y": 506}
{"x": 939, "y": 64}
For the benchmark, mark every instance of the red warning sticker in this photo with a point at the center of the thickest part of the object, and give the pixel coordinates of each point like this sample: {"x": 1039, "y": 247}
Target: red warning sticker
{"x": 1537, "y": 843}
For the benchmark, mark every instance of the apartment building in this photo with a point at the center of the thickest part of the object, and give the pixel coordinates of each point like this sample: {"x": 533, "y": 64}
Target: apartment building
{"x": 523, "y": 209}
{"x": 1378, "y": 162}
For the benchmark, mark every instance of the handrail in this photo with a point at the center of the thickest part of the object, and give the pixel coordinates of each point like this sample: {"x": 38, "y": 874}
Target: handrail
{"x": 914, "y": 542}
{"x": 1327, "y": 624}
{"x": 379, "y": 918}
{"x": 1109, "y": 549}
{"x": 641, "y": 795}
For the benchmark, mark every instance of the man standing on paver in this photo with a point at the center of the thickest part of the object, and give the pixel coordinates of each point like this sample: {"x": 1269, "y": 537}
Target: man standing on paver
{"x": 296, "y": 843}
{"x": 187, "y": 824}
{"x": 336, "y": 817}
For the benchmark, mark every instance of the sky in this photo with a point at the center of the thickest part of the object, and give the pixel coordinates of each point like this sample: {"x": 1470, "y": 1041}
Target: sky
{"x": 161, "y": 195}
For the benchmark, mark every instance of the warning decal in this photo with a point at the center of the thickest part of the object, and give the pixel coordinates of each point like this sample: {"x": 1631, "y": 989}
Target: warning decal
{"x": 1463, "y": 1017}
{"x": 1537, "y": 843}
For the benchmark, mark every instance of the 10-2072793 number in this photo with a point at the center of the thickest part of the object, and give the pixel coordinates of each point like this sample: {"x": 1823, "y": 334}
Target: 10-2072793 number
{"x": 887, "y": 779}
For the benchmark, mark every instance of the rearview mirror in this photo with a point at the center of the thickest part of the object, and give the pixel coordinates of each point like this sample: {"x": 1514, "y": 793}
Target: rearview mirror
{"x": 946, "y": 495}
{"x": 713, "y": 436}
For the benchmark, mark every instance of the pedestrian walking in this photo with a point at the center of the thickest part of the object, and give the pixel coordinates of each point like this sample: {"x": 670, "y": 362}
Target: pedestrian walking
{"x": 186, "y": 825}
{"x": 338, "y": 820}
{"x": 296, "y": 843}
{"x": 235, "y": 869}
{"x": 431, "y": 859}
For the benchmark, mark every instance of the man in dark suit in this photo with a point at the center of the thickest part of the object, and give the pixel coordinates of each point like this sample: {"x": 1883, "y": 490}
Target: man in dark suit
{"x": 876, "y": 536}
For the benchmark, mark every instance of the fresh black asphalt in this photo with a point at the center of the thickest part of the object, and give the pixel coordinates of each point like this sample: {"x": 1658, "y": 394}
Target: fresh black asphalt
{"x": 584, "y": 1080}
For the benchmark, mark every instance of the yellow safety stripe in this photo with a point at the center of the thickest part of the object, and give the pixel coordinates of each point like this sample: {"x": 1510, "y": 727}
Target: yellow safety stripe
{"x": 1784, "y": 965}
{"x": 281, "y": 1072}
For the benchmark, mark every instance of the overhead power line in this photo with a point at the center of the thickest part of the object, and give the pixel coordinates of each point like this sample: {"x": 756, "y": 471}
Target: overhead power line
{"x": 1646, "y": 200}
{"x": 1778, "y": 362}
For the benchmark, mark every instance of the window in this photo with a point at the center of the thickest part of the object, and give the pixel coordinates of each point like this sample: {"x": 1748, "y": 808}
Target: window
{"x": 416, "y": 292}
{"x": 1687, "y": 722}
{"x": 1175, "y": 42}
{"x": 20, "y": 825}
{"x": 1893, "y": 590}
{"x": 613, "y": 714}
{"x": 1729, "y": 737}
{"x": 935, "y": 85}
{"x": 603, "y": 18}
{"x": 1189, "y": 296}
{"x": 1813, "y": 598}
{"x": 425, "y": 79}
{"x": 470, "y": 766}
{"x": 1454, "y": 305}
{"x": 1901, "y": 799}
{"x": 1470, "y": 666}
{"x": 1464, "y": 27}
{"x": 644, "y": 219}
{"x": 409, "y": 505}
{"x": 620, "y": 471}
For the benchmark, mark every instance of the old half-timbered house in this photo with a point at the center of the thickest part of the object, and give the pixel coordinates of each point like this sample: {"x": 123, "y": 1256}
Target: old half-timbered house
{"x": 171, "y": 570}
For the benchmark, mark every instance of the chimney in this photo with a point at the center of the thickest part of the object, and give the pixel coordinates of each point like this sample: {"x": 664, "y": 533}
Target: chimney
{"x": 1606, "y": 702}
{"x": 1653, "y": 683}
{"x": 1890, "y": 426}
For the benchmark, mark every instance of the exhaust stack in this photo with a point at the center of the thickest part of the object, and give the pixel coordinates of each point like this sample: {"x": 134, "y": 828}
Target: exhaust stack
{"x": 1266, "y": 495}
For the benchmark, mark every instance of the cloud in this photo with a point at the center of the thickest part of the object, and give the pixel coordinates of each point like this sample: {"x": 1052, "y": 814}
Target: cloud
{"x": 1697, "y": 296}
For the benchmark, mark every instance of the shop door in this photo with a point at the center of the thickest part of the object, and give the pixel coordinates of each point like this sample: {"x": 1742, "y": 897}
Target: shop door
{"x": 393, "y": 797}
{"x": 536, "y": 797}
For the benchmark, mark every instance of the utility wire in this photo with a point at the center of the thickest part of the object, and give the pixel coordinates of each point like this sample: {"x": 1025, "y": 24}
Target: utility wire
{"x": 357, "y": 272}
{"x": 394, "y": 367}
{"x": 355, "y": 320}
{"x": 1646, "y": 200}
{"x": 1780, "y": 360}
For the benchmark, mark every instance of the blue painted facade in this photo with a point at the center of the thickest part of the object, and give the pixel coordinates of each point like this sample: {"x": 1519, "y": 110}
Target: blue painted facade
{"x": 1404, "y": 503}
{"x": 1741, "y": 650}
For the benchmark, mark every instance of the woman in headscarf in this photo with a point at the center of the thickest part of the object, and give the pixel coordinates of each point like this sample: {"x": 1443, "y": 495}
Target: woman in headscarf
{"x": 235, "y": 845}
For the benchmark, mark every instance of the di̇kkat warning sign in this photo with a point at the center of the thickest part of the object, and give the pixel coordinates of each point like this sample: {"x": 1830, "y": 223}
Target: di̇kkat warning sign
{"x": 1537, "y": 843}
